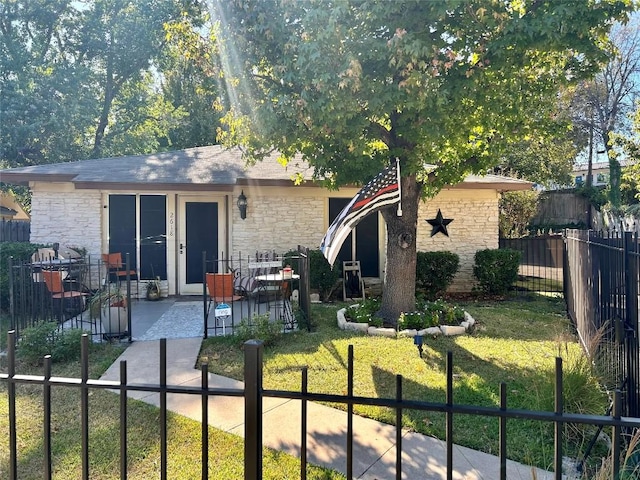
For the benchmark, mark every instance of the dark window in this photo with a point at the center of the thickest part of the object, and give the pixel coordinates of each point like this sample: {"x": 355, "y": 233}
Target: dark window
{"x": 367, "y": 248}
{"x": 152, "y": 242}
{"x": 122, "y": 227}
{"x": 153, "y": 236}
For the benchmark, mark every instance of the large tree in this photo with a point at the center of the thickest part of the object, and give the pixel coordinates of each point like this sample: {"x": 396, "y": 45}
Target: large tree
{"x": 353, "y": 84}
{"x": 79, "y": 78}
{"x": 604, "y": 104}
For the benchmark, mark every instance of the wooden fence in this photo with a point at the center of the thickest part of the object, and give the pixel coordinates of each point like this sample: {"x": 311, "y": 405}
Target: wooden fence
{"x": 12, "y": 231}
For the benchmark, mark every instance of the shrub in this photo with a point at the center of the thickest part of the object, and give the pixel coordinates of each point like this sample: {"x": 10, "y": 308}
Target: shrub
{"x": 260, "y": 327}
{"x": 44, "y": 339}
{"x": 365, "y": 312}
{"x": 321, "y": 276}
{"x": 496, "y": 269}
{"x": 435, "y": 272}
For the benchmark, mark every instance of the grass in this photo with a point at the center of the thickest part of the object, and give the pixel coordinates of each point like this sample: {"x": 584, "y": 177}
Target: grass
{"x": 226, "y": 451}
{"x": 515, "y": 342}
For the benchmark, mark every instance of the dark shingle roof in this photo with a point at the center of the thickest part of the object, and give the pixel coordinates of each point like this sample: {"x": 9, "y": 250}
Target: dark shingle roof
{"x": 203, "y": 168}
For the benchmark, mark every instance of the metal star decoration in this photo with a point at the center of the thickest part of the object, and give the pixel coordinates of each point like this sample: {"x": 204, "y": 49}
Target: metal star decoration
{"x": 439, "y": 224}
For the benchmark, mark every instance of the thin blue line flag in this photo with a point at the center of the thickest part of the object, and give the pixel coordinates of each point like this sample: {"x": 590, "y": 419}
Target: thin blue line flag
{"x": 382, "y": 191}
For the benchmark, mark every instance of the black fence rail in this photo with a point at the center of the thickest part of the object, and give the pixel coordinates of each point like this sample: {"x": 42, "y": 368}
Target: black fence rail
{"x": 73, "y": 292}
{"x": 541, "y": 266}
{"x": 254, "y": 394}
{"x": 601, "y": 290}
{"x": 14, "y": 231}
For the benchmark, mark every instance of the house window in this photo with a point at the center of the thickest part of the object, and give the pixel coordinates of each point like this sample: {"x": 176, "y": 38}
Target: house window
{"x": 579, "y": 180}
{"x": 137, "y": 226}
{"x": 365, "y": 246}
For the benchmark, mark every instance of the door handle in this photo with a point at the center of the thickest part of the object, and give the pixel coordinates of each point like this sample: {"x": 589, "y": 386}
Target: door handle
{"x": 181, "y": 247}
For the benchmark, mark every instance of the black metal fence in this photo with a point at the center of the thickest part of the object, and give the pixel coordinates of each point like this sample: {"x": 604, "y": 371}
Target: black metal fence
{"x": 257, "y": 286}
{"x": 541, "y": 266}
{"x": 253, "y": 395}
{"x": 602, "y": 276}
{"x": 81, "y": 299}
{"x": 14, "y": 231}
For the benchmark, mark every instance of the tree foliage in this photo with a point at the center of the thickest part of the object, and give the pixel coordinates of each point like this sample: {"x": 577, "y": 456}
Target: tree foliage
{"x": 350, "y": 85}
{"x": 604, "y": 103}
{"x": 78, "y": 79}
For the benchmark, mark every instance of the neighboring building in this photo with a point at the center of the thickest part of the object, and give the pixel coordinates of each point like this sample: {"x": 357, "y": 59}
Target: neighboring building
{"x": 10, "y": 209}
{"x": 166, "y": 209}
{"x": 599, "y": 173}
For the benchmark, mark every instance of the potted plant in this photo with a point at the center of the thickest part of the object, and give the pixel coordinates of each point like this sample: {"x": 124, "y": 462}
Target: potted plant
{"x": 110, "y": 306}
{"x": 153, "y": 289}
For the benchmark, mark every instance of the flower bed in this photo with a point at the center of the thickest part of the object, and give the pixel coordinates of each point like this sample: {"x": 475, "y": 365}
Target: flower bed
{"x": 434, "y": 318}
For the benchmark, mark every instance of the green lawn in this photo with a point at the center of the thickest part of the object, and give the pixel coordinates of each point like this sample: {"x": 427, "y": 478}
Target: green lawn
{"x": 514, "y": 341}
{"x": 226, "y": 451}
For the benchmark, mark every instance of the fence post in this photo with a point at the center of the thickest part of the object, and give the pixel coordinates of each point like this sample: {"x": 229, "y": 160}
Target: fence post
{"x": 253, "y": 350}
{"x": 12, "y": 307}
{"x": 631, "y": 323}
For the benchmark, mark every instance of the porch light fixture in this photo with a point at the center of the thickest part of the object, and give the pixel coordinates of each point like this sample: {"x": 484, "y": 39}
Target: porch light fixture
{"x": 242, "y": 205}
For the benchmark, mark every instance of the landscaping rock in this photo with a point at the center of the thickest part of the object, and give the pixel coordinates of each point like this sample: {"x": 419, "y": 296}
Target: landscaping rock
{"x": 383, "y": 332}
{"x": 433, "y": 331}
{"x": 408, "y": 333}
{"x": 315, "y": 298}
{"x": 469, "y": 319}
{"x": 358, "y": 327}
{"x": 450, "y": 330}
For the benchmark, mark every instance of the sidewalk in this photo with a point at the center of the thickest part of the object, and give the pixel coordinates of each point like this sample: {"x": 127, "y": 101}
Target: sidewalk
{"x": 423, "y": 457}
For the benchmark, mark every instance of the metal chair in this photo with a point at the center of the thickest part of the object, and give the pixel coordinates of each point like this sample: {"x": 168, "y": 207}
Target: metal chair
{"x": 220, "y": 291}
{"x": 71, "y": 302}
{"x": 116, "y": 272}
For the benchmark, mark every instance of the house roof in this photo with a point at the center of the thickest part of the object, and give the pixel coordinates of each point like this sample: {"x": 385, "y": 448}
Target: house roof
{"x": 202, "y": 168}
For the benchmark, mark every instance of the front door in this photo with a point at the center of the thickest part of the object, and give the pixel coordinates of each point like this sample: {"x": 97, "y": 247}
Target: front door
{"x": 200, "y": 231}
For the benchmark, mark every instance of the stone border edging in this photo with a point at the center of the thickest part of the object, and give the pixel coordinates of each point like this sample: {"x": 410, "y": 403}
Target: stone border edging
{"x": 446, "y": 330}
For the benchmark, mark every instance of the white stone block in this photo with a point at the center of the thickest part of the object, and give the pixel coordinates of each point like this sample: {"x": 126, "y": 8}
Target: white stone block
{"x": 450, "y": 330}
{"x": 469, "y": 319}
{"x": 358, "y": 327}
{"x": 408, "y": 333}
{"x": 433, "y": 331}
{"x": 383, "y": 332}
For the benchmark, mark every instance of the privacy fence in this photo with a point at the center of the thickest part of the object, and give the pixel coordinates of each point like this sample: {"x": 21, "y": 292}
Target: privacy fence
{"x": 12, "y": 231}
{"x": 541, "y": 265}
{"x": 254, "y": 393}
{"x": 602, "y": 277}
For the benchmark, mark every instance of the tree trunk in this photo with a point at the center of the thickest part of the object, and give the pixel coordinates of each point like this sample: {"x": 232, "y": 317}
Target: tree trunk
{"x": 400, "y": 266}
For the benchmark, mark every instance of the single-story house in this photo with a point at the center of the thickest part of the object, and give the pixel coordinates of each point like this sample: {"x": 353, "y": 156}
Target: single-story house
{"x": 166, "y": 208}
{"x": 11, "y": 210}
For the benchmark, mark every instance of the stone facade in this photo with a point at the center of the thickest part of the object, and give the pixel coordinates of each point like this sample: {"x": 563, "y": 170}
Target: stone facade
{"x": 474, "y": 227}
{"x": 70, "y": 217}
{"x": 277, "y": 219}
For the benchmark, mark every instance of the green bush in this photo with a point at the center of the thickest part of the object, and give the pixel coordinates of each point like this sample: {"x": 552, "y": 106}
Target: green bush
{"x": 259, "y": 328}
{"x": 496, "y": 269}
{"x": 364, "y": 312}
{"x": 431, "y": 314}
{"x": 321, "y": 276}
{"x": 435, "y": 272}
{"x": 45, "y": 339}
{"x": 20, "y": 251}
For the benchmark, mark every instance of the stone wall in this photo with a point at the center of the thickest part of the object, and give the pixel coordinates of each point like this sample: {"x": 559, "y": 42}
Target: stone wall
{"x": 474, "y": 227}
{"x": 67, "y": 216}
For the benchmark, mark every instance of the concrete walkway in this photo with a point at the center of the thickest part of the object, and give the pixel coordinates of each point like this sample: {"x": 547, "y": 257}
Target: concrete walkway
{"x": 374, "y": 452}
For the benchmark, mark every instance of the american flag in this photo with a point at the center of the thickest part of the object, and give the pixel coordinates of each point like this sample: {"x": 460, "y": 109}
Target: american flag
{"x": 382, "y": 191}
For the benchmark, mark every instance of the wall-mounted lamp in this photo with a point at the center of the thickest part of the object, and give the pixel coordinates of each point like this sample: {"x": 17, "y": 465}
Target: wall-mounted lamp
{"x": 242, "y": 205}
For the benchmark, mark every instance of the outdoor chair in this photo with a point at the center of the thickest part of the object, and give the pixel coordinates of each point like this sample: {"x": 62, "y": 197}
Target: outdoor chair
{"x": 220, "y": 290}
{"x": 67, "y": 303}
{"x": 116, "y": 270}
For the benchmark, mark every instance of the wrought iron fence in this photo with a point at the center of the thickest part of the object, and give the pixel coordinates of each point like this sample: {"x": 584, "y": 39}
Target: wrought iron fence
{"x": 602, "y": 291}
{"x": 254, "y": 394}
{"x": 541, "y": 266}
{"x": 79, "y": 299}
{"x": 238, "y": 290}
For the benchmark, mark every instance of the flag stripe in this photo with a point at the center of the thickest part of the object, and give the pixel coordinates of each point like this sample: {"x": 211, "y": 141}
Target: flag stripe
{"x": 380, "y": 192}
